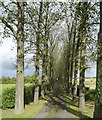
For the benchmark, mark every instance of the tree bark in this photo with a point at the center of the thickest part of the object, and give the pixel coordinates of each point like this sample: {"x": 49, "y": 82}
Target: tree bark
{"x": 69, "y": 64}
{"x": 45, "y": 51}
{"x": 76, "y": 60}
{"x": 98, "y": 97}
{"x": 76, "y": 70}
{"x": 19, "y": 102}
{"x": 37, "y": 62}
{"x": 19, "y": 36}
{"x": 83, "y": 32}
{"x": 81, "y": 84}
{"x": 72, "y": 59}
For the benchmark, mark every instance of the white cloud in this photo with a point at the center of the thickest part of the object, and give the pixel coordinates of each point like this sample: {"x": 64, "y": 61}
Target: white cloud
{"x": 8, "y": 56}
{"x": 8, "y": 59}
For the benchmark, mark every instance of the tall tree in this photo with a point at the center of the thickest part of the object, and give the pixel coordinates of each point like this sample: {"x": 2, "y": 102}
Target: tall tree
{"x": 12, "y": 20}
{"x": 76, "y": 69}
{"x": 37, "y": 61}
{"x": 98, "y": 98}
{"x": 45, "y": 48}
{"x": 50, "y": 19}
{"x": 19, "y": 103}
{"x": 83, "y": 32}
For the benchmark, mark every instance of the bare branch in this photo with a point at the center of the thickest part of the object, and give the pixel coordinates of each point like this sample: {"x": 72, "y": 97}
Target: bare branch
{"x": 8, "y": 25}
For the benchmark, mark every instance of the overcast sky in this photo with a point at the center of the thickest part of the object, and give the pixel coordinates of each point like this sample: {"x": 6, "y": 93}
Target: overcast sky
{"x": 8, "y": 59}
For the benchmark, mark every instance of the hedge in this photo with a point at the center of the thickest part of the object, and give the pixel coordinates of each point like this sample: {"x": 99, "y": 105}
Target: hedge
{"x": 7, "y": 80}
{"x": 8, "y": 96}
{"x": 90, "y": 95}
{"x": 29, "y": 94}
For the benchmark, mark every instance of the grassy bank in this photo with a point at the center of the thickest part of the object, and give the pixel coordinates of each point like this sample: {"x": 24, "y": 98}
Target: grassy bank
{"x": 73, "y": 108}
{"x": 30, "y": 111}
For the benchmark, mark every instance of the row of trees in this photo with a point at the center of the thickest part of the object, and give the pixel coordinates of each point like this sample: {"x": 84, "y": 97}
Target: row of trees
{"x": 59, "y": 36}
{"x": 29, "y": 24}
{"x": 75, "y": 50}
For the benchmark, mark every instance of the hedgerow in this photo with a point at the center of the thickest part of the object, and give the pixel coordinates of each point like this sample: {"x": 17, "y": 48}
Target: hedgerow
{"x": 8, "y": 96}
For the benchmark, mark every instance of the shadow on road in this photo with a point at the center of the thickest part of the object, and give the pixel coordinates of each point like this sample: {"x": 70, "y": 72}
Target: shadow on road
{"x": 64, "y": 107}
{"x": 60, "y": 98}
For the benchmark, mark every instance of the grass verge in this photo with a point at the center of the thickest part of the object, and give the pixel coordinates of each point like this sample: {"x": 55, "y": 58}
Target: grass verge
{"x": 30, "y": 111}
{"x": 73, "y": 106}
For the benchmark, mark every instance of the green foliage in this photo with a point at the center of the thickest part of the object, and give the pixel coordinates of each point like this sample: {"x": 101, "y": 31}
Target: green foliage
{"x": 29, "y": 79}
{"x": 7, "y": 80}
{"x": 8, "y": 96}
{"x": 90, "y": 95}
{"x": 86, "y": 89}
{"x": 28, "y": 94}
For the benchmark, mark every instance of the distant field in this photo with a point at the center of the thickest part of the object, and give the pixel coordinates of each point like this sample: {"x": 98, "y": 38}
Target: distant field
{"x": 90, "y": 82}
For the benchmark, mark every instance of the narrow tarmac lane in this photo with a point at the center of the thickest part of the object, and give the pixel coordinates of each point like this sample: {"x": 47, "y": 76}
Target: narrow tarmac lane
{"x": 51, "y": 110}
{"x": 47, "y": 112}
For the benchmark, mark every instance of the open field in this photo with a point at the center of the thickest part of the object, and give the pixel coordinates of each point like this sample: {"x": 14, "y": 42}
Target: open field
{"x": 90, "y": 82}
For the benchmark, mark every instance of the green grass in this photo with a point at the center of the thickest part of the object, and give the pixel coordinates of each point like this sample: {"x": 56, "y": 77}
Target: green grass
{"x": 30, "y": 111}
{"x": 7, "y": 86}
{"x": 73, "y": 106}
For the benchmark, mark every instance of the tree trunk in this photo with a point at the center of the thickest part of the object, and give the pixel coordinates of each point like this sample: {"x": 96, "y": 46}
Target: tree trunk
{"x": 19, "y": 102}
{"x": 76, "y": 56}
{"x": 98, "y": 97}
{"x": 82, "y": 74}
{"x": 45, "y": 52}
{"x": 81, "y": 85}
{"x": 51, "y": 72}
{"x": 69, "y": 65}
{"x": 37, "y": 62}
{"x": 36, "y": 94}
{"x": 76, "y": 70}
{"x": 83, "y": 40}
{"x": 72, "y": 59}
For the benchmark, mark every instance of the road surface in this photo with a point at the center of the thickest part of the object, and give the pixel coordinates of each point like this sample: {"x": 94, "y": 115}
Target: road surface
{"x": 53, "y": 110}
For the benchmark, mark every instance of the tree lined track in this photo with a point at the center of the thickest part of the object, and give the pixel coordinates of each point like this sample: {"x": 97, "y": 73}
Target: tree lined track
{"x": 61, "y": 37}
